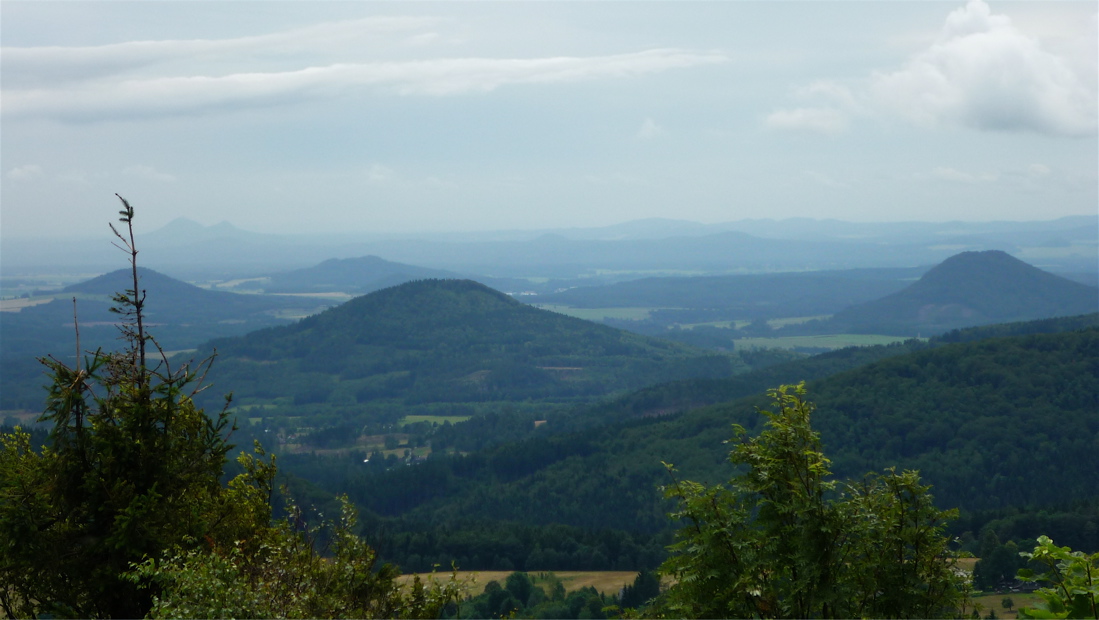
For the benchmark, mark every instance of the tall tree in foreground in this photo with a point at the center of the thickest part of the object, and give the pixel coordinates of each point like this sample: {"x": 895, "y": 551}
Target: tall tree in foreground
{"x": 99, "y": 522}
{"x": 782, "y": 539}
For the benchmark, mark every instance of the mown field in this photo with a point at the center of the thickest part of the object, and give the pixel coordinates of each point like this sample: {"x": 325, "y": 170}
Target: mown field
{"x": 605, "y": 582}
{"x": 994, "y": 602}
{"x": 611, "y": 582}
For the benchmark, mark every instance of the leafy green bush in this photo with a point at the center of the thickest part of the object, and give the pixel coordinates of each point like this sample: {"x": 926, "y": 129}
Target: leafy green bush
{"x": 783, "y": 540}
{"x": 1074, "y": 582}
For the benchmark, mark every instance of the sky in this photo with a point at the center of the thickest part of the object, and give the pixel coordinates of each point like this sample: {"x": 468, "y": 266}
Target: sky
{"x": 400, "y": 117}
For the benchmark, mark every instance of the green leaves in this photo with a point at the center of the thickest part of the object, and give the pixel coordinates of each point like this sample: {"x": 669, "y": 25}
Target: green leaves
{"x": 778, "y": 541}
{"x": 1074, "y": 582}
{"x": 283, "y": 572}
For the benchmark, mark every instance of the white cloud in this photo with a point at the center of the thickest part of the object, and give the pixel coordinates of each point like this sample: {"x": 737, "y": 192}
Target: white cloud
{"x": 985, "y": 74}
{"x": 957, "y": 176}
{"x": 29, "y": 66}
{"x": 828, "y": 121}
{"x": 423, "y": 39}
{"x": 115, "y": 93}
{"x": 836, "y": 94}
{"x": 377, "y": 173}
{"x": 650, "y": 130}
{"x": 148, "y": 173}
{"x": 26, "y": 172}
{"x": 1038, "y": 170}
{"x": 825, "y": 180}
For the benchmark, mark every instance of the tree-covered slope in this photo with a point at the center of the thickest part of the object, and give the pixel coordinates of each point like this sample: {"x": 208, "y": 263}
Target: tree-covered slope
{"x": 1002, "y": 422}
{"x": 447, "y": 340}
{"x": 971, "y": 288}
{"x": 995, "y": 423}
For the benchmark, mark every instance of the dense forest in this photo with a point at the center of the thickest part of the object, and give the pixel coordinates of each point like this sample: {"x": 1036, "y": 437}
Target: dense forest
{"x": 988, "y": 422}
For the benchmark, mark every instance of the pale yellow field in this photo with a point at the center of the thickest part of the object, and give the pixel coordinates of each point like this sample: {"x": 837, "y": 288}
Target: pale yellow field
{"x": 606, "y": 582}
{"x": 995, "y": 603}
{"x": 15, "y": 305}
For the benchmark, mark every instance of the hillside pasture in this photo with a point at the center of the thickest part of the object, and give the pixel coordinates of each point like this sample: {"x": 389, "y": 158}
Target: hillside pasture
{"x": 18, "y": 303}
{"x": 994, "y": 602}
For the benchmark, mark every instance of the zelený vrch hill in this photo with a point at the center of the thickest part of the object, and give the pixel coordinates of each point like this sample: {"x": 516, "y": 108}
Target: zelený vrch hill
{"x": 446, "y": 340}
{"x": 969, "y": 289}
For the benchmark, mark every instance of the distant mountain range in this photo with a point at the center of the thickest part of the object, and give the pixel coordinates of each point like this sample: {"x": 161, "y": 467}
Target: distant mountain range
{"x": 971, "y": 288}
{"x": 642, "y": 247}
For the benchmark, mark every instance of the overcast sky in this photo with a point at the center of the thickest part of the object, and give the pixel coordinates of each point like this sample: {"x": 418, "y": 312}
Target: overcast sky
{"x": 410, "y": 116}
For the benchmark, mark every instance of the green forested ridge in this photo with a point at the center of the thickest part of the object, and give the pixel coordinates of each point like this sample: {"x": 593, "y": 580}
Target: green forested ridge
{"x": 184, "y": 316}
{"x": 1000, "y": 422}
{"x": 997, "y": 424}
{"x": 446, "y": 341}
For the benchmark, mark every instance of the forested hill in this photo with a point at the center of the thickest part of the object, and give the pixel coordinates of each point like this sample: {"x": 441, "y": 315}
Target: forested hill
{"x": 356, "y": 276}
{"x": 971, "y": 288}
{"x": 179, "y": 315}
{"x": 993, "y": 424}
{"x": 447, "y": 340}
{"x": 173, "y": 301}
{"x": 683, "y": 395}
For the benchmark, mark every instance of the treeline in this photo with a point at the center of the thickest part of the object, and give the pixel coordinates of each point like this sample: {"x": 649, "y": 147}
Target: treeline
{"x": 509, "y": 545}
{"x": 542, "y": 595}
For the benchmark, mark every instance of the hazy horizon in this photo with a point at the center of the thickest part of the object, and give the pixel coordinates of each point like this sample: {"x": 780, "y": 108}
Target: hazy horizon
{"x": 401, "y": 118}
{"x": 103, "y": 232}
